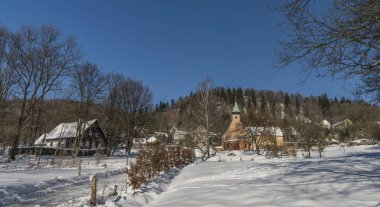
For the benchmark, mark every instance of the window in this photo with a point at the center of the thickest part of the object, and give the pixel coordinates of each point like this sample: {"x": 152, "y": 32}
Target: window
{"x": 51, "y": 144}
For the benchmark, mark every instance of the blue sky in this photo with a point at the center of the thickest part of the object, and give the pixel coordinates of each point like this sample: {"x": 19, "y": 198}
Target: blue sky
{"x": 172, "y": 45}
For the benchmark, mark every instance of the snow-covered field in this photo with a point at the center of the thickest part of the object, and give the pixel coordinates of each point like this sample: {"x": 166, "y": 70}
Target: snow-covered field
{"x": 347, "y": 176}
{"x": 344, "y": 177}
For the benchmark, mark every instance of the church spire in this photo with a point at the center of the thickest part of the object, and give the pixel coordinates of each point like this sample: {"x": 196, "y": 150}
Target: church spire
{"x": 236, "y": 109}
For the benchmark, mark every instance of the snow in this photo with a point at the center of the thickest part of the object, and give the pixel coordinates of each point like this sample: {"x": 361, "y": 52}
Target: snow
{"x": 344, "y": 176}
{"x": 23, "y": 183}
{"x": 326, "y": 124}
{"x": 151, "y": 140}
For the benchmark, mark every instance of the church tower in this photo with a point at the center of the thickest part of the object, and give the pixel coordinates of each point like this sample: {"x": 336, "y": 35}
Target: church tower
{"x": 236, "y": 113}
{"x": 233, "y": 139}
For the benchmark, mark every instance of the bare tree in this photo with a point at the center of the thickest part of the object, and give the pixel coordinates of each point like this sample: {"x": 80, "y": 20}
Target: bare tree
{"x": 112, "y": 119}
{"x": 134, "y": 100}
{"x": 259, "y": 129}
{"x": 342, "y": 40}
{"x": 88, "y": 85}
{"x": 6, "y": 79}
{"x": 39, "y": 58}
{"x": 310, "y": 135}
{"x": 205, "y": 113}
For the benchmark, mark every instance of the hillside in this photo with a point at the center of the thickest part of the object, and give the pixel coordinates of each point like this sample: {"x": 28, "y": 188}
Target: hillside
{"x": 286, "y": 108}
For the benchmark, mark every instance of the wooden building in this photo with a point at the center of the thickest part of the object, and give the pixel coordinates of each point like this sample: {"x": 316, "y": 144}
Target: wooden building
{"x": 65, "y": 134}
{"x": 236, "y": 136}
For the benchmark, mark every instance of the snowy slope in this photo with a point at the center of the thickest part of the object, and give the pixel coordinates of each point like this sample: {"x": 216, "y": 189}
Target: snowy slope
{"x": 351, "y": 177}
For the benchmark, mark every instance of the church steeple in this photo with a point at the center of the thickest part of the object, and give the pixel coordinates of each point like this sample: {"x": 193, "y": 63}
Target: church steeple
{"x": 236, "y": 109}
{"x": 236, "y": 113}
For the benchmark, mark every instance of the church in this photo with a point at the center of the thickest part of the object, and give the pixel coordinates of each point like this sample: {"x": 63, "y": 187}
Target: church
{"x": 235, "y": 138}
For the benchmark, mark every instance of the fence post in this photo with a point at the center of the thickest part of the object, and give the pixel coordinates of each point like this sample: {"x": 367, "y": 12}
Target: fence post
{"x": 93, "y": 190}
{"x": 114, "y": 190}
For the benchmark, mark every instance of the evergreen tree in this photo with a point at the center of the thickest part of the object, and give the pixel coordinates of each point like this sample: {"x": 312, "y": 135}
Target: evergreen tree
{"x": 273, "y": 107}
{"x": 156, "y": 108}
{"x": 297, "y": 105}
{"x": 324, "y": 103}
{"x": 223, "y": 94}
{"x": 230, "y": 97}
{"x": 336, "y": 100}
{"x": 254, "y": 101}
{"x": 263, "y": 105}
{"x": 287, "y": 100}
{"x": 240, "y": 97}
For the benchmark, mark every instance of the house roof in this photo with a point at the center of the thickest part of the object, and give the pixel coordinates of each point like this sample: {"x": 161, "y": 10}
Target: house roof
{"x": 151, "y": 139}
{"x": 63, "y": 130}
{"x": 345, "y": 122}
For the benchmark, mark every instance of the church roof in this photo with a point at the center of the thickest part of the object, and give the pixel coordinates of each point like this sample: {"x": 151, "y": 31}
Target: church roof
{"x": 236, "y": 108}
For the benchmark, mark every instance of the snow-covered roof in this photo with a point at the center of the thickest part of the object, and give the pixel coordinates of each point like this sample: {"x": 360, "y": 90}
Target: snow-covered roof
{"x": 325, "y": 123}
{"x": 272, "y": 130}
{"x": 345, "y": 122}
{"x": 178, "y": 135}
{"x": 151, "y": 139}
{"x": 63, "y": 130}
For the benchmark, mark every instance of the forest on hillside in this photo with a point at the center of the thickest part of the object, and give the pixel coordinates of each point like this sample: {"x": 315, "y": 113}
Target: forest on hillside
{"x": 283, "y": 108}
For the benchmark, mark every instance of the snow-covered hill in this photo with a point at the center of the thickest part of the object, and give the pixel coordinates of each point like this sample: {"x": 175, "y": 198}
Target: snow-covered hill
{"x": 345, "y": 177}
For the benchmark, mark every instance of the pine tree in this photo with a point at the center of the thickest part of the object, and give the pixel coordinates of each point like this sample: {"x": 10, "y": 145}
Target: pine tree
{"x": 254, "y": 101}
{"x": 324, "y": 103}
{"x": 263, "y": 105}
{"x": 240, "y": 97}
{"x": 287, "y": 100}
{"x": 297, "y": 105}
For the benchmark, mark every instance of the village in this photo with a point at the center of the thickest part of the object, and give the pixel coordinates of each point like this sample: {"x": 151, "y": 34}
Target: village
{"x": 162, "y": 152}
{"x": 189, "y": 103}
{"x": 61, "y": 140}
